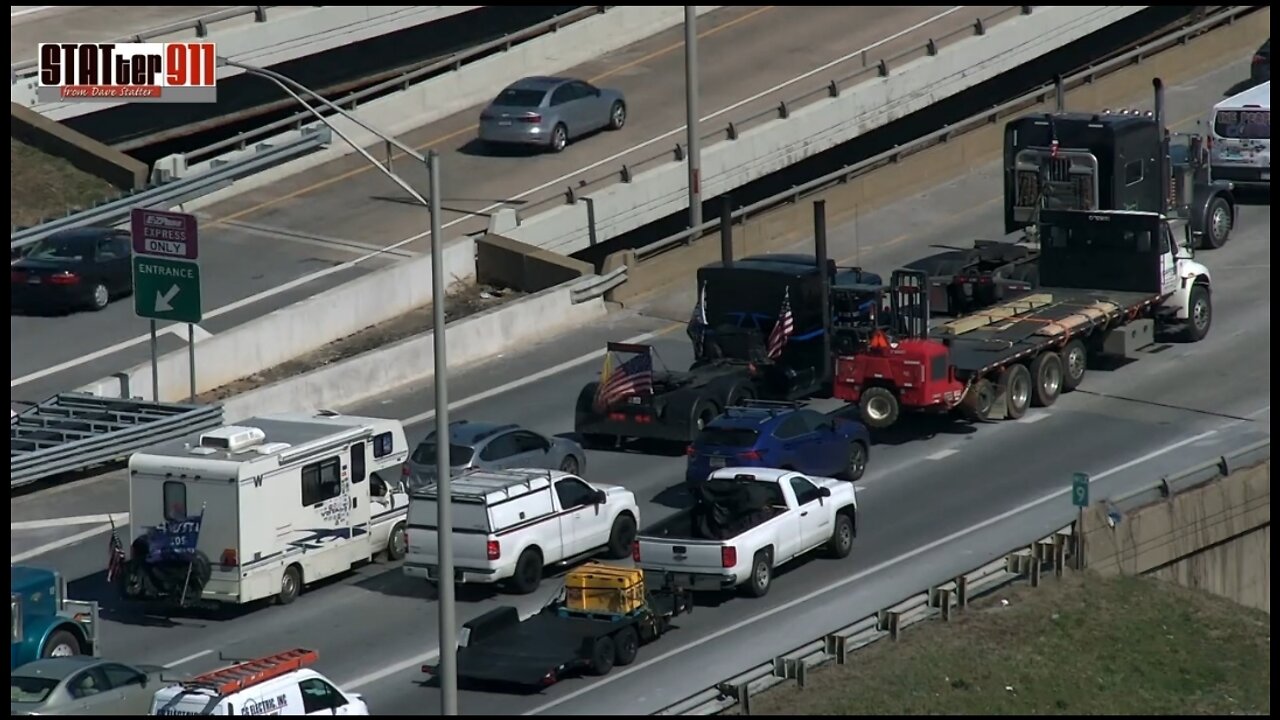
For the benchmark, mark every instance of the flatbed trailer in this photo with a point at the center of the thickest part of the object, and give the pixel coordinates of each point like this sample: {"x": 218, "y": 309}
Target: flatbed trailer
{"x": 500, "y": 649}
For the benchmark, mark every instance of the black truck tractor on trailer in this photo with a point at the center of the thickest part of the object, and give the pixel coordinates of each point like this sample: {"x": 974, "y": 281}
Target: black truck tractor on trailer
{"x": 742, "y": 301}
{"x": 1124, "y": 160}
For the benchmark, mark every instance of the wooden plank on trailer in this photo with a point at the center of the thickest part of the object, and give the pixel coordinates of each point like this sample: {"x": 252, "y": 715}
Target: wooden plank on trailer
{"x": 997, "y": 313}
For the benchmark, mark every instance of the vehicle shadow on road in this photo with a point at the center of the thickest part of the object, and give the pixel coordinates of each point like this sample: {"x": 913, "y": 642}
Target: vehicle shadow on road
{"x": 116, "y": 609}
{"x": 395, "y": 583}
{"x": 478, "y": 148}
{"x": 923, "y": 427}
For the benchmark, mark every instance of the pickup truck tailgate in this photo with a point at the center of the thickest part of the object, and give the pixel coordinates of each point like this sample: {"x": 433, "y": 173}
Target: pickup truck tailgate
{"x": 681, "y": 555}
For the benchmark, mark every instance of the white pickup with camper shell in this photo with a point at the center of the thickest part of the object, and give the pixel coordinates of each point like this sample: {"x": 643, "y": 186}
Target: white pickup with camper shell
{"x": 747, "y": 522}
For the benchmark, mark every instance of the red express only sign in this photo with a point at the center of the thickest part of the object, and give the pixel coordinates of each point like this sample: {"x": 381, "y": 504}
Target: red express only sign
{"x": 159, "y": 233}
{"x": 172, "y": 72}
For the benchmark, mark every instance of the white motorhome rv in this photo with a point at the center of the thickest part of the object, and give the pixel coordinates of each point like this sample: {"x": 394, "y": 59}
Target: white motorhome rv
{"x": 1240, "y": 138}
{"x": 277, "y": 502}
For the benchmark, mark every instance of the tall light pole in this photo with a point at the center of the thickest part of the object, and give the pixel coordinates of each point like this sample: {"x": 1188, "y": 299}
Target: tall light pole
{"x": 444, "y": 522}
{"x": 691, "y": 116}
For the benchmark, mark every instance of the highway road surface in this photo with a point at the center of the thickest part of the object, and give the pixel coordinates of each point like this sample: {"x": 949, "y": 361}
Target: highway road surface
{"x": 31, "y": 24}
{"x": 253, "y": 247}
{"x": 943, "y": 498}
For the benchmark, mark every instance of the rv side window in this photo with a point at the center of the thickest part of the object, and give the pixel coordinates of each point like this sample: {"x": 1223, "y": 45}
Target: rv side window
{"x": 175, "y": 500}
{"x": 357, "y": 463}
{"x": 1133, "y": 173}
{"x": 382, "y": 445}
{"x": 321, "y": 481}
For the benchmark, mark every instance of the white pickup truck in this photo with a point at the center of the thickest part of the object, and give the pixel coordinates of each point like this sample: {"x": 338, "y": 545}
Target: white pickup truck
{"x": 746, "y": 522}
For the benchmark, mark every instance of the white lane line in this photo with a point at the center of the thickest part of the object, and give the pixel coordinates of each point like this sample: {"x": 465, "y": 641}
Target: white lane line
{"x": 856, "y": 577}
{"x": 58, "y": 544}
{"x": 286, "y": 287}
{"x": 391, "y": 670}
{"x": 187, "y": 659}
{"x": 29, "y": 10}
{"x": 942, "y": 454}
{"x": 117, "y": 518}
{"x": 1037, "y": 417}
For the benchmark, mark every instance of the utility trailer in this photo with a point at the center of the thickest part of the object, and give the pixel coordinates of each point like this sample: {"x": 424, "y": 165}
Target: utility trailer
{"x": 1111, "y": 279}
{"x": 1121, "y": 160}
{"x": 500, "y": 649}
{"x": 740, "y": 304}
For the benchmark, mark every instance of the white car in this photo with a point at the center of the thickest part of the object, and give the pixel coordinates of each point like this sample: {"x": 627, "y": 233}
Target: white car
{"x": 510, "y": 524}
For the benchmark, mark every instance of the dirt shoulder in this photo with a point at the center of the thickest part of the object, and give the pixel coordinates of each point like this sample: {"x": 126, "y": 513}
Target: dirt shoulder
{"x": 1080, "y": 645}
{"x": 43, "y": 186}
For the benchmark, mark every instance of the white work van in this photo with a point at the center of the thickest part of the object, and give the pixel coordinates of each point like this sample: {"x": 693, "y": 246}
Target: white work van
{"x": 1240, "y": 138}
{"x": 271, "y": 503}
{"x": 276, "y": 685}
{"x": 510, "y": 524}
{"x": 745, "y": 523}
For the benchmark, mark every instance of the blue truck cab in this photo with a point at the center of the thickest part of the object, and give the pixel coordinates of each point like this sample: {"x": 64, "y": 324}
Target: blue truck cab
{"x": 43, "y": 622}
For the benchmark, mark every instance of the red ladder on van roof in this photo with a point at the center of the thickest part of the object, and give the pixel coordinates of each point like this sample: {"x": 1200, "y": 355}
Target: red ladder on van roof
{"x": 247, "y": 674}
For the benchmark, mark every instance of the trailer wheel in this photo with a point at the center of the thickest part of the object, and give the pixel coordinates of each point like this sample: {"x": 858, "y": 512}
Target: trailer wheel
{"x": 1046, "y": 377}
{"x": 761, "y": 575}
{"x": 841, "y": 542}
{"x": 1075, "y": 361}
{"x": 1015, "y": 385}
{"x": 879, "y": 407}
{"x": 528, "y": 574}
{"x": 626, "y": 643}
{"x": 1199, "y": 315}
{"x": 978, "y": 401}
{"x": 290, "y": 585}
{"x": 602, "y": 655}
{"x": 62, "y": 643}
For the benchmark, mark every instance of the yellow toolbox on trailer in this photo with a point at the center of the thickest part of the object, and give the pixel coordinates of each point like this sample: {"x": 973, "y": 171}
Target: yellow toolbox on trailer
{"x": 599, "y": 588}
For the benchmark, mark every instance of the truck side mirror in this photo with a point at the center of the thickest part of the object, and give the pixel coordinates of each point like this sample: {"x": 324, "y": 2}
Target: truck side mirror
{"x": 601, "y": 497}
{"x": 824, "y": 492}
{"x": 1188, "y": 240}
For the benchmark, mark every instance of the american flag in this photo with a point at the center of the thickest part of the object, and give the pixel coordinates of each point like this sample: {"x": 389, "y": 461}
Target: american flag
{"x": 115, "y": 556}
{"x": 783, "y": 328}
{"x": 698, "y": 322}
{"x": 633, "y": 377}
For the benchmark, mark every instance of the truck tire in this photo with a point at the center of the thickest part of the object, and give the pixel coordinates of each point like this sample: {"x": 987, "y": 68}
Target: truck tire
{"x": 703, "y": 412}
{"x": 603, "y": 653}
{"x": 1199, "y": 315}
{"x": 397, "y": 543}
{"x": 1015, "y": 386}
{"x": 1046, "y": 379}
{"x": 879, "y": 408}
{"x": 621, "y": 537}
{"x": 1216, "y": 230}
{"x": 62, "y": 643}
{"x": 626, "y": 643}
{"x": 757, "y": 586}
{"x": 841, "y": 542}
{"x": 1075, "y": 362}
{"x": 528, "y": 574}
{"x": 290, "y": 585}
{"x": 978, "y": 400}
{"x": 857, "y": 462}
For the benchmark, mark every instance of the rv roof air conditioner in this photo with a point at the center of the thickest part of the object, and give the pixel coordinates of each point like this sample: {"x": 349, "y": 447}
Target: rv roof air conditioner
{"x": 233, "y": 438}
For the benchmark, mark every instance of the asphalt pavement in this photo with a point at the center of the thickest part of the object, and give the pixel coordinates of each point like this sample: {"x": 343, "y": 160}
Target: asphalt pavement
{"x": 937, "y": 498}
{"x": 267, "y": 249}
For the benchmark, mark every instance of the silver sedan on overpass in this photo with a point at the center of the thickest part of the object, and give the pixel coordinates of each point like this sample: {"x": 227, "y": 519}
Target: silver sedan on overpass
{"x": 548, "y": 112}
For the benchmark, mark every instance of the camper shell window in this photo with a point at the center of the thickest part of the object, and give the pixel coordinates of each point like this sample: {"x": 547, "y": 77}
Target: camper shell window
{"x": 383, "y": 445}
{"x": 175, "y": 500}
{"x": 321, "y": 481}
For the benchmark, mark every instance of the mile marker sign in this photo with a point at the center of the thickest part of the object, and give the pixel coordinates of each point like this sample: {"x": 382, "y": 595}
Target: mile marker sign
{"x": 166, "y": 278}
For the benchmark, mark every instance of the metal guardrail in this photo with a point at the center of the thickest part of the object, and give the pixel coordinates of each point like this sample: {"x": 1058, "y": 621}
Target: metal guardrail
{"x": 402, "y": 82}
{"x": 594, "y": 286}
{"x": 942, "y": 600}
{"x": 77, "y": 431}
{"x": 176, "y": 192}
{"x": 870, "y": 68}
{"x": 26, "y": 68}
{"x": 1225, "y": 16}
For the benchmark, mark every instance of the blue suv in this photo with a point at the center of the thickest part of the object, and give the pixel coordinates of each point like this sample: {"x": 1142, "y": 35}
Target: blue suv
{"x": 779, "y": 435}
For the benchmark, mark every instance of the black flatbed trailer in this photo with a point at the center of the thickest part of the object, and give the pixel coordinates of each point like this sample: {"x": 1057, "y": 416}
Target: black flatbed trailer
{"x": 502, "y": 650}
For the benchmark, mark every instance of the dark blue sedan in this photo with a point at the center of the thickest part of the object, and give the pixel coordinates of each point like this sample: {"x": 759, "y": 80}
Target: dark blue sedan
{"x": 780, "y": 435}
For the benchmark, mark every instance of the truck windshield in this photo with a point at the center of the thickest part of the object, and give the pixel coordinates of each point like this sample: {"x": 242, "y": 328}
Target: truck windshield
{"x": 726, "y": 437}
{"x": 1243, "y": 124}
{"x": 30, "y": 689}
{"x": 425, "y": 454}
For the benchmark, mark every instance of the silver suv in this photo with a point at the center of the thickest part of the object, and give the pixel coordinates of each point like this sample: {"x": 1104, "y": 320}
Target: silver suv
{"x": 493, "y": 446}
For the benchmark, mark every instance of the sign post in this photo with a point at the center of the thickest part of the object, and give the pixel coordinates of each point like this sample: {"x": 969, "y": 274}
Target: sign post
{"x": 166, "y": 279}
{"x": 1080, "y": 498}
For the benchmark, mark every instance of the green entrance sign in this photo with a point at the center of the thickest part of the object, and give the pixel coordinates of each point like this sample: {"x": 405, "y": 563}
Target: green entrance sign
{"x": 166, "y": 289}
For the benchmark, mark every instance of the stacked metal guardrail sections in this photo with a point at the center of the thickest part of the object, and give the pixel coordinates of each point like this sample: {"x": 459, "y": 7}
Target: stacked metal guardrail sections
{"x": 1051, "y": 553}
{"x": 71, "y": 432}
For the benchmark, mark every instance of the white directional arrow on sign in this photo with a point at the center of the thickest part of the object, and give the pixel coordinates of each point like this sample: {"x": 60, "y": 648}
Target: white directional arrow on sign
{"x": 163, "y": 300}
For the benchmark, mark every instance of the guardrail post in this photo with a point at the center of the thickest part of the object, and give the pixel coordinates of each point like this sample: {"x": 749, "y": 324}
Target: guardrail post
{"x": 837, "y": 646}
{"x": 123, "y": 377}
{"x": 202, "y": 30}
{"x": 1077, "y": 542}
{"x": 679, "y": 152}
{"x": 625, "y": 174}
{"x": 260, "y": 13}
{"x": 1059, "y": 554}
{"x": 802, "y": 672}
{"x": 979, "y": 27}
{"x": 390, "y": 153}
{"x": 732, "y": 131}
{"x": 1026, "y": 9}
{"x": 931, "y": 47}
{"x": 783, "y": 112}
{"x": 833, "y": 89}
{"x": 940, "y": 598}
{"x": 591, "y": 220}
{"x": 570, "y": 198}
{"x": 883, "y": 68}
{"x": 962, "y": 591}
{"x": 888, "y": 620}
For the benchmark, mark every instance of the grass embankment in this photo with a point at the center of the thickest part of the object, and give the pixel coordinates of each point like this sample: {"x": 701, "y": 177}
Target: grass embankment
{"x": 1082, "y": 645}
{"x": 43, "y": 186}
